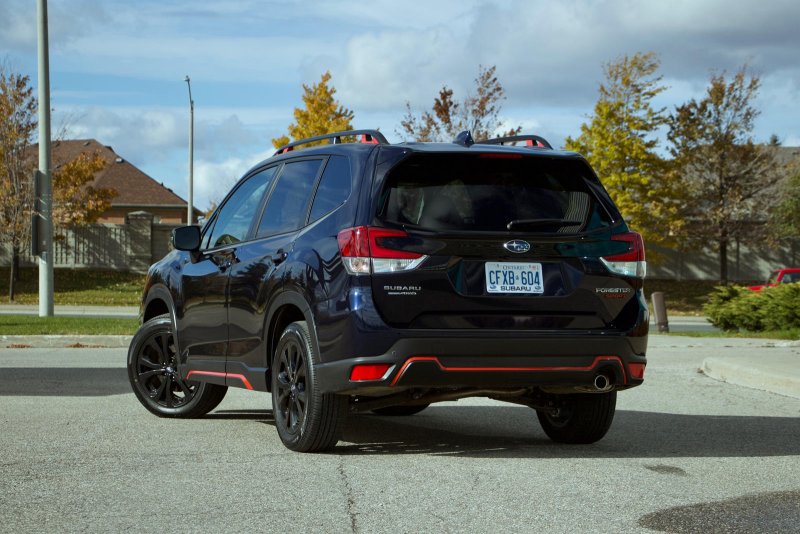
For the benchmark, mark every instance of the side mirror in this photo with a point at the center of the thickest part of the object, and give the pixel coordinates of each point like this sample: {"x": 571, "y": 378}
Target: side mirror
{"x": 186, "y": 238}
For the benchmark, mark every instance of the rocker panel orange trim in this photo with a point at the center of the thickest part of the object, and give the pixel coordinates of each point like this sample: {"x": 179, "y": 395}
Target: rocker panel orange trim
{"x": 237, "y": 376}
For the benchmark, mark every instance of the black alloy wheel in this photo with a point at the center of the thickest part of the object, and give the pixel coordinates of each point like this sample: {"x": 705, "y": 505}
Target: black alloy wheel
{"x": 306, "y": 420}
{"x": 291, "y": 390}
{"x": 156, "y": 381}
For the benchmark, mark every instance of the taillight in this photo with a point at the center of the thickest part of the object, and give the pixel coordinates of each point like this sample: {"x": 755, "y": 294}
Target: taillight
{"x": 366, "y": 249}
{"x": 631, "y": 262}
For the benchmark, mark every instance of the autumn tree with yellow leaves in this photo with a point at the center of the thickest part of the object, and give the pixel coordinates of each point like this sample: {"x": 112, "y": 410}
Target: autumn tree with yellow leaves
{"x": 621, "y": 143}
{"x": 75, "y": 201}
{"x": 322, "y": 114}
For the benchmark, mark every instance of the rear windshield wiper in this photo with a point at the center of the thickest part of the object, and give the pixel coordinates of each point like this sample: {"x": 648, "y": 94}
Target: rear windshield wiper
{"x": 535, "y": 223}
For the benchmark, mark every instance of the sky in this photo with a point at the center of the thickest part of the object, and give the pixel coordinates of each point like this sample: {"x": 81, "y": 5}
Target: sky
{"x": 117, "y": 68}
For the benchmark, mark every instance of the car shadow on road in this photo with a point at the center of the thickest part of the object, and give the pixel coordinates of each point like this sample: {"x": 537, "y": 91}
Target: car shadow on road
{"x": 497, "y": 431}
{"x": 262, "y": 416}
{"x": 63, "y": 381}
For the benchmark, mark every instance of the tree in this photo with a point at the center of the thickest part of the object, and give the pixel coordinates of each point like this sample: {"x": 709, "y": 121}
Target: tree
{"x": 17, "y": 125}
{"x": 75, "y": 201}
{"x": 728, "y": 176}
{"x": 478, "y": 113}
{"x": 785, "y": 218}
{"x": 620, "y": 141}
{"x": 322, "y": 114}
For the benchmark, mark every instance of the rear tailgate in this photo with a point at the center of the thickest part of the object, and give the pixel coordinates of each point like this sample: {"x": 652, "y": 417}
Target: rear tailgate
{"x": 544, "y": 272}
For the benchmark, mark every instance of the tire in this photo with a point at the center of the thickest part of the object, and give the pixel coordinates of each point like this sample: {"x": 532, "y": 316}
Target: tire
{"x": 401, "y": 410}
{"x": 306, "y": 420}
{"x": 584, "y": 419}
{"x": 155, "y": 379}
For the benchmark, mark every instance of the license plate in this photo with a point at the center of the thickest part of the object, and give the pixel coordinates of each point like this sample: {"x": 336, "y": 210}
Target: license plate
{"x": 507, "y": 277}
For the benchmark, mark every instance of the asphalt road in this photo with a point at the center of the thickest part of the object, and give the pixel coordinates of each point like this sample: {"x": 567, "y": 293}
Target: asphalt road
{"x": 685, "y": 454}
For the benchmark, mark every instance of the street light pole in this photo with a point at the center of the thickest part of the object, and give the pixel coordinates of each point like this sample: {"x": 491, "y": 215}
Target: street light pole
{"x": 190, "y": 211}
{"x": 45, "y": 185}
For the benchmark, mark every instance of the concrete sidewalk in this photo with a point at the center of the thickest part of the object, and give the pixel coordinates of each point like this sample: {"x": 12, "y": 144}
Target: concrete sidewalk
{"x": 59, "y": 341}
{"x": 767, "y": 364}
{"x": 684, "y": 323}
{"x": 72, "y": 311}
{"x": 778, "y": 373}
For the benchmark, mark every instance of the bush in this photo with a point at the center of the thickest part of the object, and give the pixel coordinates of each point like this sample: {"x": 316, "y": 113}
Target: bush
{"x": 738, "y": 308}
{"x": 781, "y": 307}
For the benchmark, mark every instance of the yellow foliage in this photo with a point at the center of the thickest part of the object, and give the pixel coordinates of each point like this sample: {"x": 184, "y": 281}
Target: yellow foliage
{"x": 322, "y": 114}
{"x": 75, "y": 201}
{"x": 620, "y": 142}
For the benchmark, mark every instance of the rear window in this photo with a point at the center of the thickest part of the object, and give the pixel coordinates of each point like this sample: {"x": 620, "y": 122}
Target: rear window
{"x": 491, "y": 194}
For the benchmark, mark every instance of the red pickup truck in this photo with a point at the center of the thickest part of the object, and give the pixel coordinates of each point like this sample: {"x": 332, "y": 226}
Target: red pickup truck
{"x": 779, "y": 276}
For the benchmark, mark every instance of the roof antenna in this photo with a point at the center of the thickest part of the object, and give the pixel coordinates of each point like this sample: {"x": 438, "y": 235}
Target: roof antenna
{"x": 464, "y": 139}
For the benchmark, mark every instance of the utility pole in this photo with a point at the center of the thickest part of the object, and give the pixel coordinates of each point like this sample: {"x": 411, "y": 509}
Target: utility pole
{"x": 45, "y": 186}
{"x": 190, "y": 214}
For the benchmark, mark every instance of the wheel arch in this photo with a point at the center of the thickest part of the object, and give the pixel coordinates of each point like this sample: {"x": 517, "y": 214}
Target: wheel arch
{"x": 158, "y": 302}
{"x": 288, "y": 307}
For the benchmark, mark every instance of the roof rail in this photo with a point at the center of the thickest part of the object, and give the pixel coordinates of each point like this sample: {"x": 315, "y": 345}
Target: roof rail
{"x": 373, "y": 137}
{"x": 533, "y": 141}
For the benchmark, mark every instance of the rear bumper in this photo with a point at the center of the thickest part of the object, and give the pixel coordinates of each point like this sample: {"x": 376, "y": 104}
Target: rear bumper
{"x": 492, "y": 362}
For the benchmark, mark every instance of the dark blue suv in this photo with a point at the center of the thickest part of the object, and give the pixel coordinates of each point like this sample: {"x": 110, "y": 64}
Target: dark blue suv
{"x": 361, "y": 276}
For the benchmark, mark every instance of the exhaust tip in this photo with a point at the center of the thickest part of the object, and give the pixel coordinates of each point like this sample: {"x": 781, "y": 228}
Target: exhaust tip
{"x": 602, "y": 382}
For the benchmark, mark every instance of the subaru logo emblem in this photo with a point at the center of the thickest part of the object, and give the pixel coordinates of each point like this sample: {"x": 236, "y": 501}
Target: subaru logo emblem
{"x": 517, "y": 245}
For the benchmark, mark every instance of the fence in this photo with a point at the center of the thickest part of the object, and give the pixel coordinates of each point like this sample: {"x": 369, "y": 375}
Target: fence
{"x": 138, "y": 243}
{"x": 745, "y": 264}
{"x": 132, "y": 246}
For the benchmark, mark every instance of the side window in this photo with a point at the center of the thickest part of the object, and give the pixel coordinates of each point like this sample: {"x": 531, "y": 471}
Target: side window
{"x": 334, "y": 187}
{"x": 286, "y": 208}
{"x": 235, "y": 216}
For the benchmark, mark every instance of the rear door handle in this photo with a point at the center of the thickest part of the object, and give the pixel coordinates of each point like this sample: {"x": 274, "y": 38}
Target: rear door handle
{"x": 279, "y": 256}
{"x": 225, "y": 265}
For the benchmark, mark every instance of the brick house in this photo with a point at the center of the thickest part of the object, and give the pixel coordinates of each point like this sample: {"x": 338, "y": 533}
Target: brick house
{"x": 136, "y": 191}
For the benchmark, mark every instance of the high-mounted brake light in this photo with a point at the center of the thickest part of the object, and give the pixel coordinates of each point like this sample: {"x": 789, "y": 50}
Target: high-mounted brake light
{"x": 493, "y": 155}
{"x": 366, "y": 249}
{"x": 631, "y": 262}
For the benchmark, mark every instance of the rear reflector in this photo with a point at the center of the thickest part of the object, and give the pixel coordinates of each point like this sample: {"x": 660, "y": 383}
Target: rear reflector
{"x": 361, "y": 373}
{"x": 367, "y": 249}
{"x": 637, "y": 370}
{"x": 631, "y": 262}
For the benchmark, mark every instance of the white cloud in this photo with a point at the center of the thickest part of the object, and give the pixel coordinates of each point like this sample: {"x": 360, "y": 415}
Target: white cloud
{"x": 66, "y": 19}
{"x": 249, "y": 57}
{"x": 213, "y": 179}
{"x": 553, "y": 53}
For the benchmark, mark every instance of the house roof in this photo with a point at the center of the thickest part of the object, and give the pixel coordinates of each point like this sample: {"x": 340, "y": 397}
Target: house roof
{"x": 133, "y": 187}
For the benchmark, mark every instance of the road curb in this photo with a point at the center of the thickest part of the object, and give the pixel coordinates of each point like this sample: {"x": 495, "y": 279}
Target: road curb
{"x": 73, "y": 342}
{"x": 744, "y": 372}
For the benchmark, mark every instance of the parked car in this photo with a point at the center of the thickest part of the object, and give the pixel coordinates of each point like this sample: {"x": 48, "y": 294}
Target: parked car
{"x": 361, "y": 276}
{"x": 779, "y": 276}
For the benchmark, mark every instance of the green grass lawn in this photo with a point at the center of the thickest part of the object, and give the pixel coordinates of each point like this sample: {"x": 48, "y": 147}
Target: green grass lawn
{"x": 79, "y": 287}
{"x": 31, "y": 325}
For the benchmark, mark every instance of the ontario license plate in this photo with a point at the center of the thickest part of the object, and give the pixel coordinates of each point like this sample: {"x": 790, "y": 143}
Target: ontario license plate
{"x": 507, "y": 277}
